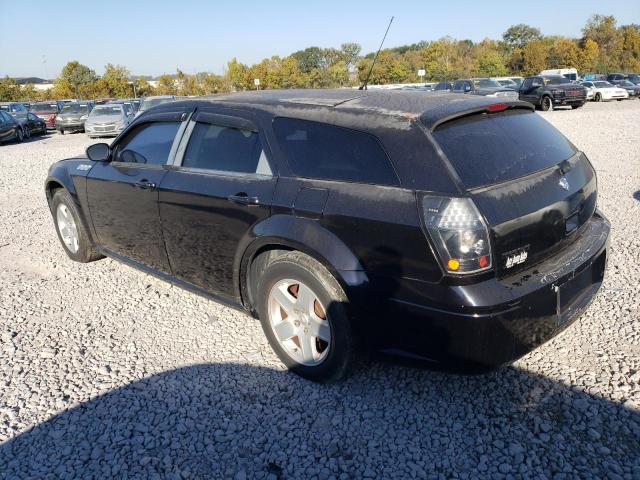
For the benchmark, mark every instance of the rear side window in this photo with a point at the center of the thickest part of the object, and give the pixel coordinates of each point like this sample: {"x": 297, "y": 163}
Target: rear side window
{"x": 492, "y": 148}
{"x": 323, "y": 151}
{"x": 225, "y": 149}
{"x": 150, "y": 143}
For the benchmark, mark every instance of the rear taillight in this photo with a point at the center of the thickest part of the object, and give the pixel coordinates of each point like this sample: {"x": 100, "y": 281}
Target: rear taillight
{"x": 459, "y": 234}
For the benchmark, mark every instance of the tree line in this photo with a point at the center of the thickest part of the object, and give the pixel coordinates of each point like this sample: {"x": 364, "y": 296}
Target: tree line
{"x": 523, "y": 50}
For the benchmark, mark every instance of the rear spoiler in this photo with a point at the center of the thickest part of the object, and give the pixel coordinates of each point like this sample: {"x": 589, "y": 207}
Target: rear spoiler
{"x": 447, "y": 112}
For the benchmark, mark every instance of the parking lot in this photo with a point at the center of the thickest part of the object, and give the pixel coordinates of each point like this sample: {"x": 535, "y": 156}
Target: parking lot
{"x": 106, "y": 371}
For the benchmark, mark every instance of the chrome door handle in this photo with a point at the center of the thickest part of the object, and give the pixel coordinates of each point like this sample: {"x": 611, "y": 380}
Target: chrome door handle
{"x": 244, "y": 199}
{"x": 145, "y": 185}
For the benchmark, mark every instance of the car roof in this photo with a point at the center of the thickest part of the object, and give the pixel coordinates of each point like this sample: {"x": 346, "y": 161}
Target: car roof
{"x": 362, "y": 107}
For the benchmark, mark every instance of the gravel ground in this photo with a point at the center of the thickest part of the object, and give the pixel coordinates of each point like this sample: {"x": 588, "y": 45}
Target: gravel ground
{"x": 106, "y": 371}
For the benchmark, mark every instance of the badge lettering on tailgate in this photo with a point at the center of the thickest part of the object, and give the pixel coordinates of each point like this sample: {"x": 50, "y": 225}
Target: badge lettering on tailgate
{"x": 516, "y": 257}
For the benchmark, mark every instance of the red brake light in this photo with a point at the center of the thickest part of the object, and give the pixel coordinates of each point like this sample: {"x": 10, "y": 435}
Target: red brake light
{"x": 497, "y": 107}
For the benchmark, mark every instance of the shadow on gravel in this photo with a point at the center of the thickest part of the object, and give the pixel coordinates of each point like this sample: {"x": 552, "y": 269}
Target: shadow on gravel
{"x": 636, "y": 195}
{"x": 228, "y": 420}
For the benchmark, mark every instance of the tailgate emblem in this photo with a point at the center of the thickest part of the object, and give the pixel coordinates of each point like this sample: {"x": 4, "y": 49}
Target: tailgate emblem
{"x": 516, "y": 257}
{"x": 564, "y": 183}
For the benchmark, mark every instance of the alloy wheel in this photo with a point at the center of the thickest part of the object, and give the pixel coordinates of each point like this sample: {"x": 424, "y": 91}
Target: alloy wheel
{"x": 299, "y": 322}
{"x": 67, "y": 228}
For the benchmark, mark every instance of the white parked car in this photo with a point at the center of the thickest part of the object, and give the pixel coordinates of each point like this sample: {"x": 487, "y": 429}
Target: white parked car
{"x": 591, "y": 89}
{"x": 570, "y": 73}
{"x": 605, "y": 91}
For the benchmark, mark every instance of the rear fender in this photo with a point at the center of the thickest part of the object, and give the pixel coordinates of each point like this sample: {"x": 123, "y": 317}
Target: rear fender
{"x": 287, "y": 232}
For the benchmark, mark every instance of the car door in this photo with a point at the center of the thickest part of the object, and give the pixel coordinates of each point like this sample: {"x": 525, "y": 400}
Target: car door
{"x": 5, "y": 127}
{"x": 527, "y": 91}
{"x": 123, "y": 196}
{"x": 221, "y": 185}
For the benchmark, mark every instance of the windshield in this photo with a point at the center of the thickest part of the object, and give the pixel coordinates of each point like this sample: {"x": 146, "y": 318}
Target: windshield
{"x": 626, "y": 83}
{"x": 152, "y": 102}
{"x": 487, "y": 149}
{"x": 602, "y": 84}
{"x": 486, "y": 83}
{"x": 74, "y": 108}
{"x": 556, "y": 80}
{"x": 107, "y": 110}
{"x": 44, "y": 107}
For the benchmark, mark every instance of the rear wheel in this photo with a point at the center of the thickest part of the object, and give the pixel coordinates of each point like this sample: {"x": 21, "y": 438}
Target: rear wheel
{"x": 546, "y": 103}
{"x": 27, "y": 132}
{"x": 303, "y": 313}
{"x": 71, "y": 231}
{"x": 61, "y": 131}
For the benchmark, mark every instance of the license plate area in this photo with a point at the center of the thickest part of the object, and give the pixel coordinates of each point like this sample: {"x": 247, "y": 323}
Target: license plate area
{"x": 575, "y": 293}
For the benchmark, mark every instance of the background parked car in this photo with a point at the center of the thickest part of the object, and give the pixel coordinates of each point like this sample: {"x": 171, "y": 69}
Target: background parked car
{"x": 10, "y": 129}
{"x": 107, "y": 120}
{"x": 591, "y": 89}
{"x": 47, "y": 111}
{"x": 73, "y": 116}
{"x": 483, "y": 86}
{"x": 548, "y": 91}
{"x": 34, "y": 125}
{"x": 16, "y": 109}
{"x": 606, "y": 91}
{"x": 632, "y": 89}
{"x": 443, "y": 87}
{"x": 153, "y": 101}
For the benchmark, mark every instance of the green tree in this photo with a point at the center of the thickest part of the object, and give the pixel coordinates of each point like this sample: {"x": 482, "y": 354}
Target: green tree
{"x": 564, "y": 54}
{"x": 517, "y": 36}
{"x": 166, "y": 85}
{"x": 534, "y": 56}
{"x": 78, "y": 78}
{"x": 116, "y": 79}
{"x": 630, "y": 56}
{"x": 9, "y": 89}
{"x": 603, "y": 31}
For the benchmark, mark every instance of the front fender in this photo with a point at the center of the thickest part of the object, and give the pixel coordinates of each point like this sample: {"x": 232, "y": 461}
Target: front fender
{"x": 305, "y": 235}
{"x": 71, "y": 175}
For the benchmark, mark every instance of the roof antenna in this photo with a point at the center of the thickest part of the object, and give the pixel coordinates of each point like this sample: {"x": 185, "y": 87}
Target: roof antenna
{"x": 366, "y": 81}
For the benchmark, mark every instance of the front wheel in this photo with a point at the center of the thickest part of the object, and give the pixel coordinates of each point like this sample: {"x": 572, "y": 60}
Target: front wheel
{"x": 19, "y": 135}
{"x": 546, "y": 104}
{"x": 598, "y": 97}
{"x": 71, "y": 231}
{"x": 303, "y": 312}
{"x": 61, "y": 131}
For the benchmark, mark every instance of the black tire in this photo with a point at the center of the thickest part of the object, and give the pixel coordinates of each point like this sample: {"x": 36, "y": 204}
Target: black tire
{"x": 19, "y": 135}
{"x": 546, "y": 103}
{"x": 86, "y": 252}
{"x": 598, "y": 97}
{"x": 576, "y": 106}
{"x": 61, "y": 131}
{"x": 301, "y": 267}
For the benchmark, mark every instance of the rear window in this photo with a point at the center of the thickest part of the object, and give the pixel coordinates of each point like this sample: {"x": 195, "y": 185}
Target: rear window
{"x": 323, "y": 151}
{"x": 44, "y": 107}
{"x": 492, "y": 148}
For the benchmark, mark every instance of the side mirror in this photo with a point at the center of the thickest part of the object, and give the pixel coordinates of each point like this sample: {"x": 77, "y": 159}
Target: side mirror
{"x": 99, "y": 152}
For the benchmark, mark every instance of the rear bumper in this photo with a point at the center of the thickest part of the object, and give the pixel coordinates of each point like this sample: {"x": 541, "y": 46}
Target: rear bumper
{"x": 481, "y": 326}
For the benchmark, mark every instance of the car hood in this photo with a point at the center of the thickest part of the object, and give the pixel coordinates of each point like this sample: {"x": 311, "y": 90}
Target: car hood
{"x": 105, "y": 118}
{"x": 489, "y": 90}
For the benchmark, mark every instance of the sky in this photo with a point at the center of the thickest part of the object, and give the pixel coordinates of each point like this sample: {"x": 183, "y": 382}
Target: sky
{"x": 37, "y": 38}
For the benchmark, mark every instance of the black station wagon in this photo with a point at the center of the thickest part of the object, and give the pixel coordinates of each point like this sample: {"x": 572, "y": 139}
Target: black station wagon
{"x": 462, "y": 232}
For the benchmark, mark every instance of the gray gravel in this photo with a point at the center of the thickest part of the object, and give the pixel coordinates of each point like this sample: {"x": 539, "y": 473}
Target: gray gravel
{"x": 108, "y": 372}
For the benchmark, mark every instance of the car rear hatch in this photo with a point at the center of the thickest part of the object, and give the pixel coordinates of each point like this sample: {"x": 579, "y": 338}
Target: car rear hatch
{"x": 535, "y": 190}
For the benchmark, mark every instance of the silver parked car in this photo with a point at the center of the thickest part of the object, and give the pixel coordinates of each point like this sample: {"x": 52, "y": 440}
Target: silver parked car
{"x": 153, "y": 101}
{"x": 108, "y": 120}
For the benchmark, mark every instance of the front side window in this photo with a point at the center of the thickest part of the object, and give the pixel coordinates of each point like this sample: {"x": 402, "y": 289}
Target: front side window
{"x": 224, "y": 149}
{"x": 149, "y": 143}
{"x": 329, "y": 152}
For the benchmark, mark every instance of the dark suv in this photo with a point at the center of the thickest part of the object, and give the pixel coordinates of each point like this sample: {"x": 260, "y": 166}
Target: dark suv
{"x": 548, "y": 91}
{"x": 462, "y": 231}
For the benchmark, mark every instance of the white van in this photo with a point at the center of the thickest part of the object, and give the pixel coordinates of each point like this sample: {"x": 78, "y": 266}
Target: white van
{"x": 570, "y": 73}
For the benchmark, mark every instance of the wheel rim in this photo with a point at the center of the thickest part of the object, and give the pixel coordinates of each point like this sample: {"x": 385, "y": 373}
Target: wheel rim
{"x": 299, "y": 322}
{"x": 20, "y": 135}
{"x": 67, "y": 228}
{"x": 547, "y": 103}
